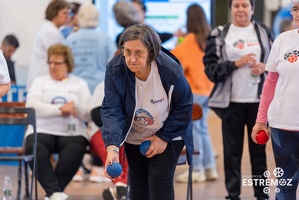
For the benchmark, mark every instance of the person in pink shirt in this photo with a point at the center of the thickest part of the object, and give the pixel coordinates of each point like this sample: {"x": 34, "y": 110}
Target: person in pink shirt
{"x": 278, "y": 109}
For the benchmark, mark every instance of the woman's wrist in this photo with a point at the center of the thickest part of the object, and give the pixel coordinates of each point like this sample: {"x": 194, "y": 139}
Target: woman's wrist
{"x": 113, "y": 148}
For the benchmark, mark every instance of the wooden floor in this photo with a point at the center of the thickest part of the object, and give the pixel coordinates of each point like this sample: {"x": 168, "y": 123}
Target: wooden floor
{"x": 206, "y": 191}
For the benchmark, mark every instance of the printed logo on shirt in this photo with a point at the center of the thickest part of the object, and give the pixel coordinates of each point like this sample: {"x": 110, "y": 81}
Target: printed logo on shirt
{"x": 252, "y": 43}
{"x": 73, "y": 92}
{"x": 239, "y": 44}
{"x": 157, "y": 101}
{"x": 59, "y": 100}
{"x": 292, "y": 57}
{"x": 143, "y": 118}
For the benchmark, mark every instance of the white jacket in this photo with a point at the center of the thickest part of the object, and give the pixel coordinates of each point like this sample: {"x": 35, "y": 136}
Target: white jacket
{"x": 47, "y": 35}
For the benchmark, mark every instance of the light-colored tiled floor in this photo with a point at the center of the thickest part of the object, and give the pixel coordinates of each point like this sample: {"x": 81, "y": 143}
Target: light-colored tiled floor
{"x": 201, "y": 191}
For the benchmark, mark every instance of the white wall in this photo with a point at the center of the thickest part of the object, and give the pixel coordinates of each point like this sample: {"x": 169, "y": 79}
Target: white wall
{"x": 22, "y": 18}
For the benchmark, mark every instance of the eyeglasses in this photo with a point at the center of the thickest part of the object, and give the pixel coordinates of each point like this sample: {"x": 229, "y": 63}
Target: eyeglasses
{"x": 55, "y": 63}
{"x": 129, "y": 53}
{"x": 294, "y": 11}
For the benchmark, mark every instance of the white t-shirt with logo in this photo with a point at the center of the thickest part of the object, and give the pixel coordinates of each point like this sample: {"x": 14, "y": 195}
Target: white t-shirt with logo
{"x": 283, "y": 111}
{"x": 241, "y": 41}
{"x": 47, "y": 95}
{"x": 4, "y": 75}
{"x": 152, "y": 107}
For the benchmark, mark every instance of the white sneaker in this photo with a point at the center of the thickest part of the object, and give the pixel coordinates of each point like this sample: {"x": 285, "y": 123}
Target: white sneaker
{"x": 58, "y": 196}
{"x": 79, "y": 176}
{"x": 97, "y": 175}
{"x": 211, "y": 174}
{"x": 197, "y": 176}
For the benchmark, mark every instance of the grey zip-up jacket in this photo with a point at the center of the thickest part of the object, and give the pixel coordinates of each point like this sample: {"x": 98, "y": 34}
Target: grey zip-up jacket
{"x": 219, "y": 69}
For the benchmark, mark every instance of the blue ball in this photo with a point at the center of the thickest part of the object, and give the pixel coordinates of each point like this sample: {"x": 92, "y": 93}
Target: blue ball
{"x": 144, "y": 146}
{"x": 114, "y": 170}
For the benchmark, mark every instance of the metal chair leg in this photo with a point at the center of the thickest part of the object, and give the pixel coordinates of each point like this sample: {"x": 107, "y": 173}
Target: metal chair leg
{"x": 26, "y": 196}
{"x": 19, "y": 180}
{"x": 190, "y": 186}
{"x": 36, "y": 175}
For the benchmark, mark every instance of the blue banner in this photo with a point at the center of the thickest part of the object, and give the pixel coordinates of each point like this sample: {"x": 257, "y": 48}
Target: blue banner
{"x": 13, "y": 135}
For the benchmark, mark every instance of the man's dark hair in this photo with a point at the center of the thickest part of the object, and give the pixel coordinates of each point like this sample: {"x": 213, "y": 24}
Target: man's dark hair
{"x": 11, "y": 40}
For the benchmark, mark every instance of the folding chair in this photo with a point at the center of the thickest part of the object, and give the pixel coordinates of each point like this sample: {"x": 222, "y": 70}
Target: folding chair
{"x": 12, "y": 113}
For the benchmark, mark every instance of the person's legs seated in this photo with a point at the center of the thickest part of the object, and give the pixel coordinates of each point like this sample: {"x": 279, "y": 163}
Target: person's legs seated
{"x": 45, "y": 148}
{"x": 70, "y": 151}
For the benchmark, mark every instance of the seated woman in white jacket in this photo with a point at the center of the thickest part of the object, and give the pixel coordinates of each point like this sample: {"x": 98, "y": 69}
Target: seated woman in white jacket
{"x": 62, "y": 105}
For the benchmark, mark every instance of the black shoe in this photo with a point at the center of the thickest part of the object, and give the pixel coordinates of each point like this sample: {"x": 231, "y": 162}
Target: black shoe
{"x": 109, "y": 194}
{"x": 232, "y": 198}
{"x": 121, "y": 192}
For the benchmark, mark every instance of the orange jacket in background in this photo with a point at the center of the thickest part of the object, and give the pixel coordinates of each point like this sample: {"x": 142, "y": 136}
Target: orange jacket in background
{"x": 190, "y": 56}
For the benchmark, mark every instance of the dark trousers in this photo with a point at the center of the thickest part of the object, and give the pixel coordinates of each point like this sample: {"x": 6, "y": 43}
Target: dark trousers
{"x": 70, "y": 150}
{"x": 234, "y": 120}
{"x": 285, "y": 146}
{"x": 152, "y": 178}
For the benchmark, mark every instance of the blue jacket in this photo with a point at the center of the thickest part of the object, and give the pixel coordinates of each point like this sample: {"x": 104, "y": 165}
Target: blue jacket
{"x": 118, "y": 106}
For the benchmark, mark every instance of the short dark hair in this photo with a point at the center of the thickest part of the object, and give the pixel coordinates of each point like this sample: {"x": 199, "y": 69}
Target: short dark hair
{"x": 10, "y": 40}
{"x": 146, "y": 35}
{"x": 252, "y": 3}
{"x": 54, "y": 7}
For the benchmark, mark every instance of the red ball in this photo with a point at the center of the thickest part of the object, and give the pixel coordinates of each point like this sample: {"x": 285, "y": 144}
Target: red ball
{"x": 262, "y": 137}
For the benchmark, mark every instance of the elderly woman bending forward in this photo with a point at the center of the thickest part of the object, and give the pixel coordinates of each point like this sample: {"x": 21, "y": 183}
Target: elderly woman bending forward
{"x": 147, "y": 97}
